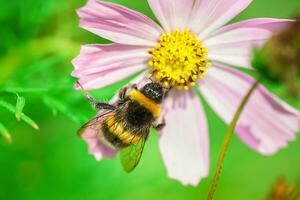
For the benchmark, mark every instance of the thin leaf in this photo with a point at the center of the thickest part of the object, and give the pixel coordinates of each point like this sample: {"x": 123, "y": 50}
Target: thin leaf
{"x": 49, "y": 103}
{"x": 56, "y": 104}
{"x": 4, "y": 132}
{"x": 39, "y": 66}
{"x": 22, "y": 90}
{"x": 24, "y": 117}
{"x": 19, "y": 107}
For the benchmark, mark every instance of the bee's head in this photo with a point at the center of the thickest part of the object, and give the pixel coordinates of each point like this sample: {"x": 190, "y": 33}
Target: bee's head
{"x": 154, "y": 91}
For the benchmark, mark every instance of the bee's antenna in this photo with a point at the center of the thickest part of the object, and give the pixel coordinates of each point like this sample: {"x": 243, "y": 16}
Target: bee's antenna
{"x": 167, "y": 91}
{"x": 150, "y": 78}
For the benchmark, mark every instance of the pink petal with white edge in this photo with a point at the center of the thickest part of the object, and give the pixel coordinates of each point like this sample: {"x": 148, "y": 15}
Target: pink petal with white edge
{"x": 233, "y": 44}
{"x": 90, "y": 135}
{"x": 184, "y": 142}
{"x": 172, "y": 14}
{"x": 209, "y": 15}
{"x": 266, "y": 124}
{"x": 96, "y": 146}
{"x": 235, "y": 47}
{"x": 99, "y": 80}
{"x": 270, "y": 24}
{"x": 102, "y": 57}
{"x": 118, "y": 24}
{"x": 101, "y": 65}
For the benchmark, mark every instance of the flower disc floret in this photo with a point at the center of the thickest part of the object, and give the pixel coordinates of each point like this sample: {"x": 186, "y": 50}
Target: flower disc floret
{"x": 178, "y": 60}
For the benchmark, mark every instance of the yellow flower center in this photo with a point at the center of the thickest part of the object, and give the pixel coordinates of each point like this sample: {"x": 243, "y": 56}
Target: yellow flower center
{"x": 178, "y": 60}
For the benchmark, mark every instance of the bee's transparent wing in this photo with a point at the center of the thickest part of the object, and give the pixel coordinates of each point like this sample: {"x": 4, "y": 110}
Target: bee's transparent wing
{"x": 94, "y": 123}
{"x": 130, "y": 156}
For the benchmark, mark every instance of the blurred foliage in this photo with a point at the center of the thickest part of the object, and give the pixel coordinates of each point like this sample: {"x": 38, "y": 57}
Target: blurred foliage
{"x": 283, "y": 190}
{"x": 278, "y": 60}
{"x": 38, "y": 41}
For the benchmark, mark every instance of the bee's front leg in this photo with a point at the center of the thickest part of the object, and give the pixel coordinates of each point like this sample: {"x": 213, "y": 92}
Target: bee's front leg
{"x": 122, "y": 92}
{"x": 94, "y": 102}
{"x": 98, "y": 105}
{"x": 105, "y": 106}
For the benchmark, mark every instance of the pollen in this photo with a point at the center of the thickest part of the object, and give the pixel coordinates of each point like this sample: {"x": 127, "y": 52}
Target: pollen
{"x": 178, "y": 60}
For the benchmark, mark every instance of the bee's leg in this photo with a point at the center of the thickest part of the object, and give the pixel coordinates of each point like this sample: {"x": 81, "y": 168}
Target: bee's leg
{"x": 134, "y": 86}
{"x": 122, "y": 92}
{"x": 99, "y": 105}
{"x": 167, "y": 93}
{"x": 94, "y": 102}
{"x": 105, "y": 106}
{"x": 160, "y": 126}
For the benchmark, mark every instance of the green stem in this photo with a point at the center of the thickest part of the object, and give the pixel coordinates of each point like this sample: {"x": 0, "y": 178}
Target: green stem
{"x": 227, "y": 139}
{"x": 4, "y": 132}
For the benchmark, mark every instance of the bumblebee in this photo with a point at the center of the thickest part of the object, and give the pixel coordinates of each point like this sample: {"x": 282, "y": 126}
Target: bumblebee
{"x": 125, "y": 125}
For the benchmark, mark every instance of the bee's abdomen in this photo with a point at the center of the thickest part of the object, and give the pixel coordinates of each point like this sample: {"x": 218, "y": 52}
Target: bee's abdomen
{"x": 115, "y": 133}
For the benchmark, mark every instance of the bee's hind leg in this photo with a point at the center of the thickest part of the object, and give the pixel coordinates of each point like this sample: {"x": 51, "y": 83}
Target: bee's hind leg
{"x": 160, "y": 126}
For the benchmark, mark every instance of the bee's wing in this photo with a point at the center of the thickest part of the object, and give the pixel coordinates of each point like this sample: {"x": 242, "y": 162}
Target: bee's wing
{"x": 130, "y": 156}
{"x": 94, "y": 123}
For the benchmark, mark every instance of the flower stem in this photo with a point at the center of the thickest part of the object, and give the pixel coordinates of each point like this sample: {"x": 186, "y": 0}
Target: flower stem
{"x": 227, "y": 139}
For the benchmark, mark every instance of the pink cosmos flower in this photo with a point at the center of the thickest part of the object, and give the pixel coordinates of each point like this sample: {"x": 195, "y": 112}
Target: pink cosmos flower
{"x": 191, "y": 36}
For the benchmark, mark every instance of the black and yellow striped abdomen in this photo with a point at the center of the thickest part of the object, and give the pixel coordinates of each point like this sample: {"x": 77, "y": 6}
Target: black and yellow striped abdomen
{"x": 116, "y": 134}
{"x": 131, "y": 122}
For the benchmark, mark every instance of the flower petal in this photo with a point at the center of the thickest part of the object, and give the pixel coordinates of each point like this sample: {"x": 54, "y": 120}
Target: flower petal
{"x": 96, "y": 147}
{"x": 118, "y": 24}
{"x": 233, "y": 44}
{"x": 101, "y": 57}
{"x": 100, "y": 80}
{"x": 270, "y": 24}
{"x": 101, "y": 65}
{"x": 208, "y": 15}
{"x": 266, "y": 124}
{"x": 90, "y": 135}
{"x": 172, "y": 14}
{"x": 235, "y": 47}
{"x": 184, "y": 141}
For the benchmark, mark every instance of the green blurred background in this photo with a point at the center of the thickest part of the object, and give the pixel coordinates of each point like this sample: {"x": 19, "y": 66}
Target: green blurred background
{"x": 38, "y": 41}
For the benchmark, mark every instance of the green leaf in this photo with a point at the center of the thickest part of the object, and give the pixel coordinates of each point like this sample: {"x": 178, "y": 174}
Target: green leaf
{"x": 22, "y": 90}
{"x": 4, "y": 132}
{"x": 24, "y": 117}
{"x": 39, "y": 66}
{"x": 57, "y": 105}
{"x": 19, "y": 107}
